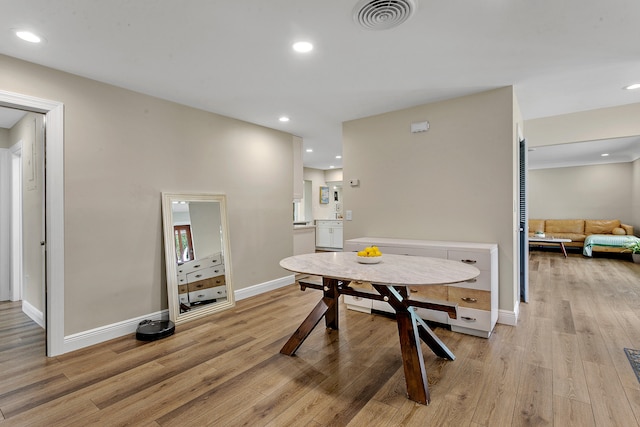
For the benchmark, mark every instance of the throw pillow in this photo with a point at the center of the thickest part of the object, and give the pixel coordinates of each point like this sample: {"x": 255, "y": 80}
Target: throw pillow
{"x": 619, "y": 231}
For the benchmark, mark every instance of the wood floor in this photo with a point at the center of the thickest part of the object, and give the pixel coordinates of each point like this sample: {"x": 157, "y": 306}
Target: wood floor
{"x": 563, "y": 365}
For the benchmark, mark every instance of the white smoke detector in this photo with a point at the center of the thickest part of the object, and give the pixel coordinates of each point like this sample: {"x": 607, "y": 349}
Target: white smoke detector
{"x": 383, "y": 14}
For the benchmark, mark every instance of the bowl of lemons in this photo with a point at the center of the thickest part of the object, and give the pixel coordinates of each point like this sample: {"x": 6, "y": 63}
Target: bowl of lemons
{"x": 369, "y": 255}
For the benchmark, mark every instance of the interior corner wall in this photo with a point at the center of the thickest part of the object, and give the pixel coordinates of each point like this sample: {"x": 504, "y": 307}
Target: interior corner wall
{"x": 454, "y": 182}
{"x": 122, "y": 149}
{"x": 583, "y": 192}
{"x": 4, "y": 138}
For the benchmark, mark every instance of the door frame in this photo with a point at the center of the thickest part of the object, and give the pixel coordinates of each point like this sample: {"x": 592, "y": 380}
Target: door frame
{"x": 54, "y": 210}
{"x": 16, "y": 221}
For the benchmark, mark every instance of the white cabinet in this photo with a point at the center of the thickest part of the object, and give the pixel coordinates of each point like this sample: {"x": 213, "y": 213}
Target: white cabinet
{"x": 329, "y": 234}
{"x": 476, "y": 299}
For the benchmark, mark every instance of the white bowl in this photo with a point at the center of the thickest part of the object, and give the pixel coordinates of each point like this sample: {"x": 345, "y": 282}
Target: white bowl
{"x": 369, "y": 259}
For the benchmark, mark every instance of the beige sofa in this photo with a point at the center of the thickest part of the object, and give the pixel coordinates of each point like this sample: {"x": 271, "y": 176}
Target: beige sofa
{"x": 578, "y": 229}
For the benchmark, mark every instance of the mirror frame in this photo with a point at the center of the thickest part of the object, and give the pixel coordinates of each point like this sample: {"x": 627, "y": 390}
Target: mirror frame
{"x": 170, "y": 254}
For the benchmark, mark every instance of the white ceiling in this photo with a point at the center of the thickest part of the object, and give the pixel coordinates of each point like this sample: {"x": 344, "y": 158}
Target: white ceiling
{"x": 234, "y": 57}
{"x": 9, "y": 117}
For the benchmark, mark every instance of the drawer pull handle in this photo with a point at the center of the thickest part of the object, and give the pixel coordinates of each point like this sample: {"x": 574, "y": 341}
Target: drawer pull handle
{"x": 386, "y": 298}
{"x": 468, "y": 319}
{"x": 474, "y": 280}
{"x": 198, "y": 275}
{"x": 196, "y": 266}
{"x": 468, "y": 299}
{"x": 469, "y": 261}
{"x": 326, "y": 289}
{"x": 413, "y": 290}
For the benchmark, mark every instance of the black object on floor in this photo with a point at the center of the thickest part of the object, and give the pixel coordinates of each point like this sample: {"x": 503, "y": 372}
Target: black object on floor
{"x": 151, "y": 330}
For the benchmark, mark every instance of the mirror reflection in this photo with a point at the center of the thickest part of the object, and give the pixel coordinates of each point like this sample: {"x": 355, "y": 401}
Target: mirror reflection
{"x": 196, "y": 246}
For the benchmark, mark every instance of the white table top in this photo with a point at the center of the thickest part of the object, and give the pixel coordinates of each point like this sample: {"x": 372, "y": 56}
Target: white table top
{"x": 548, "y": 239}
{"x": 392, "y": 269}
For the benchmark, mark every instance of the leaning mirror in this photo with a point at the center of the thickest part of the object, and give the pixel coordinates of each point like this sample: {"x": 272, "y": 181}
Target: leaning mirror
{"x": 196, "y": 245}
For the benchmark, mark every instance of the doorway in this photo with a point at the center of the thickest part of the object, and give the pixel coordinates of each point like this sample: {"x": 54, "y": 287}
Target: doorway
{"x": 23, "y": 196}
{"x": 53, "y": 244}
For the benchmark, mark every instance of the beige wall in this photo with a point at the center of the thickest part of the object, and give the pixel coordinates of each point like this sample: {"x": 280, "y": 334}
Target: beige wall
{"x": 5, "y": 142}
{"x": 122, "y": 149}
{"x": 604, "y": 123}
{"x": 454, "y": 182}
{"x": 589, "y": 192}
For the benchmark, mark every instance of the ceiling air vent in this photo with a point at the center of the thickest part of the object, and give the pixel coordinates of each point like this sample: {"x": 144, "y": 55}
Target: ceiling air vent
{"x": 382, "y": 14}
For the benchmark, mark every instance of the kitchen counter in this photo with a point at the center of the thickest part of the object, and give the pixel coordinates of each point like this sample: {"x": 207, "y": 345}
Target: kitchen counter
{"x": 302, "y": 227}
{"x": 304, "y": 239}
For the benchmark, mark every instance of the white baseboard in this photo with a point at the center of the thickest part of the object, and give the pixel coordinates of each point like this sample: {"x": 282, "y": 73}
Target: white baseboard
{"x": 35, "y": 314}
{"x": 508, "y": 317}
{"x": 261, "y": 288}
{"x": 108, "y": 332}
{"x": 119, "y": 329}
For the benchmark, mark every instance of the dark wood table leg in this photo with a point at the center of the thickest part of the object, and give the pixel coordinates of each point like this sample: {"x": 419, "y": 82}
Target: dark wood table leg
{"x": 564, "y": 250}
{"x": 411, "y": 329}
{"x": 331, "y": 292}
{"x": 327, "y": 307}
{"x": 415, "y": 373}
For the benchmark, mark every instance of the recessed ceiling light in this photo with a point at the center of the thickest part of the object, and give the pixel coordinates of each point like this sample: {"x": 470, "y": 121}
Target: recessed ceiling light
{"x": 309, "y": 150}
{"x": 331, "y": 167}
{"x": 633, "y": 86}
{"x": 338, "y": 156}
{"x": 28, "y": 36}
{"x": 284, "y": 119}
{"x": 302, "y": 47}
{"x": 604, "y": 155}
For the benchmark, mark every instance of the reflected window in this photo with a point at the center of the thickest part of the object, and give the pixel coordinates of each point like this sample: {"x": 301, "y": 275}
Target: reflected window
{"x": 184, "y": 243}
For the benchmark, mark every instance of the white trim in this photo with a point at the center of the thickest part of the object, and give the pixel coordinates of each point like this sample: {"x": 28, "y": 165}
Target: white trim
{"x": 33, "y": 313}
{"x": 510, "y": 318}
{"x": 109, "y": 332}
{"x": 54, "y": 208}
{"x": 16, "y": 221}
{"x": 5, "y": 224}
{"x": 261, "y": 288}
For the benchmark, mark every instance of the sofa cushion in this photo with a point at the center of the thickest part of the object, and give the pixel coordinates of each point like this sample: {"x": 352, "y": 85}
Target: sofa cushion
{"x": 536, "y": 225}
{"x": 600, "y": 226}
{"x": 619, "y": 231}
{"x": 553, "y": 226}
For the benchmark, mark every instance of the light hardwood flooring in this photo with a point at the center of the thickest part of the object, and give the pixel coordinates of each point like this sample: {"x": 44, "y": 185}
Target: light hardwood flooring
{"x": 563, "y": 365}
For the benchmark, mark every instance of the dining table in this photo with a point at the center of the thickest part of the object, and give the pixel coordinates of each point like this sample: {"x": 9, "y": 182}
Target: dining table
{"x": 390, "y": 276}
